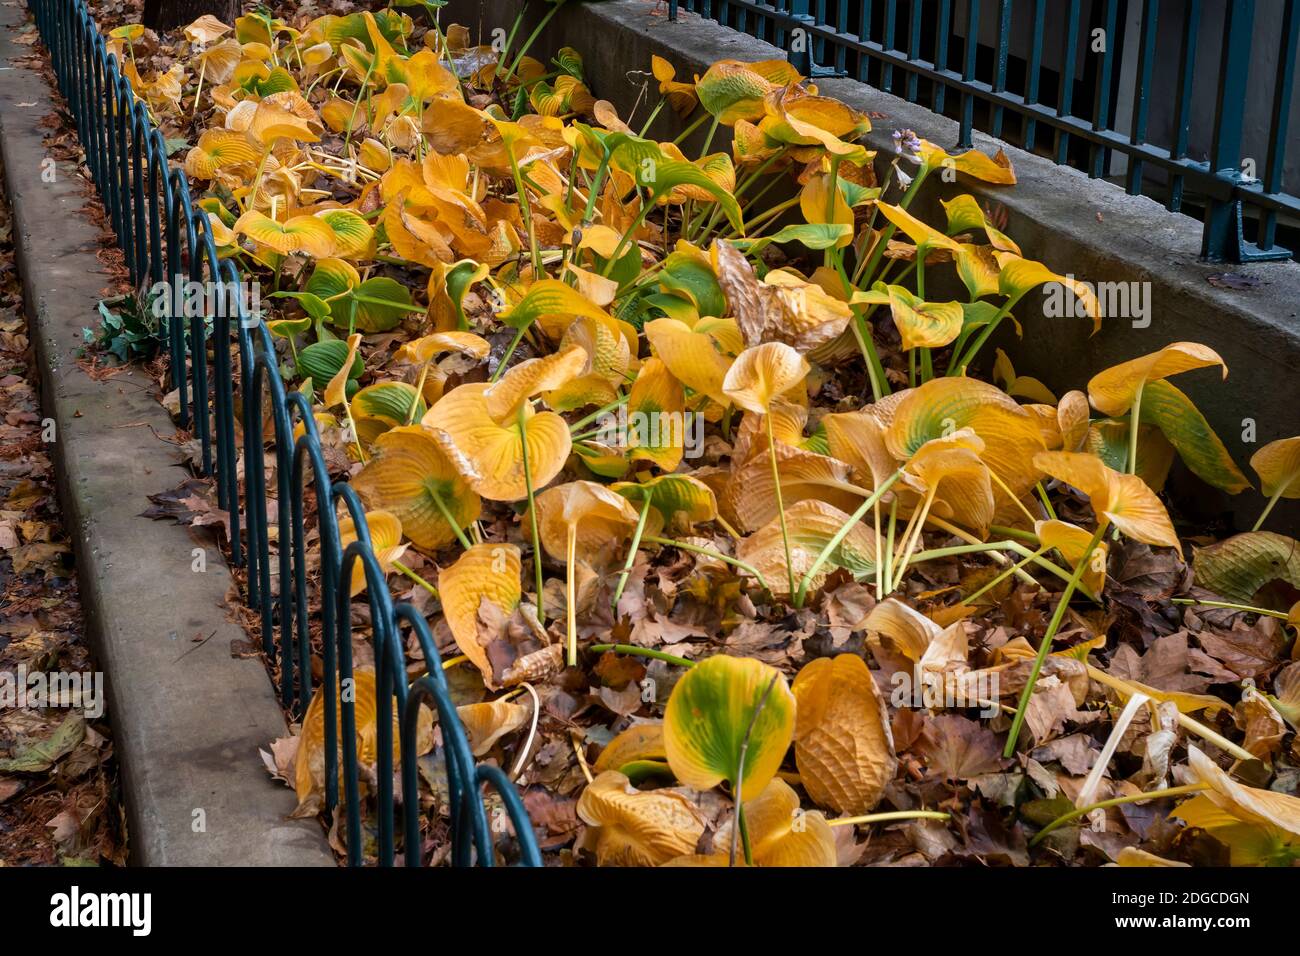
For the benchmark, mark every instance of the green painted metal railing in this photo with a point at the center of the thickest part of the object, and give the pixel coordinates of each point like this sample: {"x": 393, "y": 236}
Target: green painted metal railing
{"x": 877, "y": 40}
{"x": 164, "y": 239}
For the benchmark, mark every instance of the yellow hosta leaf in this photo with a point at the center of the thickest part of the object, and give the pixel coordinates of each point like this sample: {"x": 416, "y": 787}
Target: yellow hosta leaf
{"x": 750, "y": 493}
{"x": 1072, "y": 418}
{"x": 306, "y": 234}
{"x": 218, "y": 149}
{"x": 635, "y": 827}
{"x": 811, "y": 524}
{"x": 675, "y": 497}
{"x": 1247, "y": 804}
{"x": 489, "y": 721}
{"x": 353, "y": 236}
{"x": 1278, "y": 467}
{"x": 1016, "y": 276}
{"x": 1124, "y": 500}
{"x": 951, "y": 470}
{"x": 598, "y": 518}
{"x": 859, "y": 439}
{"x": 503, "y": 399}
{"x": 1072, "y": 541}
{"x": 552, "y": 304}
{"x": 780, "y": 834}
{"x": 763, "y": 372}
{"x": 1010, "y": 434}
{"x": 656, "y": 416}
{"x": 272, "y": 121}
{"x": 309, "y": 766}
{"x": 493, "y": 451}
{"x": 923, "y": 235}
{"x": 692, "y": 357}
{"x": 336, "y": 390}
{"x": 843, "y": 746}
{"x": 385, "y": 540}
{"x": 205, "y": 29}
{"x": 1165, "y": 407}
{"x": 638, "y": 742}
{"x": 414, "y": 468}
{"x": 428, "y": 347}
{"x": 731, "y": 90}
{"x": 929, "y": 325}
{"x": 964, "y": 213}
{"x": 1113, "y": 391}
{"x": 909, "y": 630}
{"x": 710, "y": 711}
{"x": 488, "y": 573}
{"x": 995, "y": 169}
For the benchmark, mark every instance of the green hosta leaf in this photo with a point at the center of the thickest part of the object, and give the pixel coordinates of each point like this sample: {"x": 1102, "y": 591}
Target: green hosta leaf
{"x": 855, "y": 194}
{"x": 668, "y": 175}
{"x": 671, "y": 495}
{"x": 381, "y": 303}
{"x": 315, "y": 307}
{"x": 709, "y": 713}
{"x": 818, "y": 235}
{"x": 570, "y": 61}
{"x": 1241, "y": 565}
{"x": 390, "y": 401}
{"x": 1108, "y": 439}
{"x": 279, "y": 80}
{"x": 1164, "y": 406}
{"x": 331, "y": 278}
{"x": 690, "y": 276}
{"x": 547, "y": 297}
{"x": 321, "y": 361}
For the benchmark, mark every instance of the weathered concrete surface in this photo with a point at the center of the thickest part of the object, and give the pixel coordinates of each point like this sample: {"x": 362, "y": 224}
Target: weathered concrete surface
{"x": 188, "y": 718}
{"x": 1075, "y": 225}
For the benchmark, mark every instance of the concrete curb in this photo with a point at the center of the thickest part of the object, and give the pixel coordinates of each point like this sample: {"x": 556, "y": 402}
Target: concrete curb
{"x": 1059, "y": 215}
{"x": 188, "y": 718}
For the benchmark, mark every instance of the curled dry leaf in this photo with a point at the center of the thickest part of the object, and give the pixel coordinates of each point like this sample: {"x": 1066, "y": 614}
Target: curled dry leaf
{"x": 843, "y": 746}
{"x": 638, "y": 827}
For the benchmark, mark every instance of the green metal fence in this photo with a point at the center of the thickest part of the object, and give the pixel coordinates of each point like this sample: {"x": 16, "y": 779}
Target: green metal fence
{"x": 929, "y": 51}
{"x": 232, "y": 366}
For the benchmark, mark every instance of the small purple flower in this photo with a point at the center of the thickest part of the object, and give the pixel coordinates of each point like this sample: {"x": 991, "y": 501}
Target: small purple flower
{"x": 906, "y": 142}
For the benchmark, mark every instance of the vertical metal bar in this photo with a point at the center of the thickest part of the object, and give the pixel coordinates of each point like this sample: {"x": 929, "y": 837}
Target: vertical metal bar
{"x": 841, "y": 26}
{"x": 891, "y": 18}
{"x": 968, "y": 72}
{"x": 942, "y": 29}
{"x": 1141, "y": 95}
{"x": 1101, "y": 99}
{"x": 1066, "y": 94}
{"x": 913, "y": 48}
{"x": 864, "y": 34}
{"x": 1183, "y": 107}
{"x": 1220, "y": 237}
{"x": 1035, "y": 69}
{"x": 1277, "y": 133}
{"x": 819, "y": 48}
{"x": 1000, "y": 64}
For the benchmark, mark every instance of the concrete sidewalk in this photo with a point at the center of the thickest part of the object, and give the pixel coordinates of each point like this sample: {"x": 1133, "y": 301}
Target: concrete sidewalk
{"x": 188, "y": 717}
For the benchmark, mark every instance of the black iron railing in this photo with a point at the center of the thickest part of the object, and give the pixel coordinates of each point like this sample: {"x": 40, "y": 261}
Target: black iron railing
{"x": 165, "y": 239}
{"x": 1080, "y": 81}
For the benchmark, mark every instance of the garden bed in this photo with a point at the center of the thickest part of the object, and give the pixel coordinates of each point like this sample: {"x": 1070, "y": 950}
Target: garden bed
{"x": 643, "y": 439}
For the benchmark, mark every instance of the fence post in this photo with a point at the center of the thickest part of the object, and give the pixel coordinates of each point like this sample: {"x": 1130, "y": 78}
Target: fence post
{"x": 1222, "y": 240}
